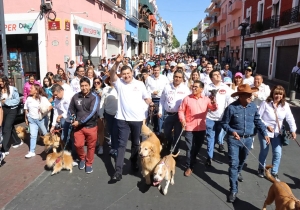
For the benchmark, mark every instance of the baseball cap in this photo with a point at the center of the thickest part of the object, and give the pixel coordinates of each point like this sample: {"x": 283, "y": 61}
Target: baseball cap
{"x": 238, "y": 74}
{"x": 227, "y": 80}
{"x": 173, "y": 63}
{"x": 193, "y": 64}
{"x": 249, "y": 68}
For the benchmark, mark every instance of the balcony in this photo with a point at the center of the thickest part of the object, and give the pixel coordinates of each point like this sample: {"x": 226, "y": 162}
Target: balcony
{"x": 290, "y": 16}
{"x": 271, "y": 22}
{"x": 207, "y": 30}
{"x": 233, "y": 33}
{"x": 221, "y": 37}
{"x": 222, "y": 17}
{"x": 235, "y": 6}
{"x": 144, "y": 22}
{"x": 207, "y": 19}
{"x": 212, "y": 39}
{"x": 216, "y": 9}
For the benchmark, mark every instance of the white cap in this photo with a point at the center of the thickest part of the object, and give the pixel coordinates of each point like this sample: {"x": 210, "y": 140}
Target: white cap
{"x": 173, "y": 63}
{"x": 193, "y": 64}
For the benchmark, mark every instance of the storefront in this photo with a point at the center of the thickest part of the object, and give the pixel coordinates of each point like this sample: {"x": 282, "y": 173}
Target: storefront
{"x": 263, "y": 57}
{"x": 25, "y": 47}
{"x": 115, "y": 40}
{"x": 88, "y": 39}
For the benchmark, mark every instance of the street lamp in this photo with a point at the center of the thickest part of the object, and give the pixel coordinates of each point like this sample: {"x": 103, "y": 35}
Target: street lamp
{"x": 243, "y": 27}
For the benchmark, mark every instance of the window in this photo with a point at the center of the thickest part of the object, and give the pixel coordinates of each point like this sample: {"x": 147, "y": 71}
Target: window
{"x": 233, "y": 24}
{"x": 239, "y": 20}
{"x": 260, "y": 12}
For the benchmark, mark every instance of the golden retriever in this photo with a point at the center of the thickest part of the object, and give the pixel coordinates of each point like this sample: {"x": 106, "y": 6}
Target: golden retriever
{"x": 281, "y": 193}
{"x": 21, "y": 132}
{"x": 59, "y": 161}
{"x": 165, "y": 170}
{"x": 149, "y": 153}
{"x": 52, "y": 141}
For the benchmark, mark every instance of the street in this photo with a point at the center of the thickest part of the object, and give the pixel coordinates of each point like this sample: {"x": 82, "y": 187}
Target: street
{"x": 205, "y": 189}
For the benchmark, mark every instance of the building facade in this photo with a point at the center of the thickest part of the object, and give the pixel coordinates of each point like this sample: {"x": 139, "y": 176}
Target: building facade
{"x": 131, "y": 26}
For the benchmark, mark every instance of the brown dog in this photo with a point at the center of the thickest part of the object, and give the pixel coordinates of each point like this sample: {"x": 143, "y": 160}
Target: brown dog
{"x": 21, "y": 132}
{"x": 281, "y": 193}
{"x": 52, "y": 141}
{"x": 165, "y": 170}
{"x": 59, "y": 161}
{"x": 149, "y": 153}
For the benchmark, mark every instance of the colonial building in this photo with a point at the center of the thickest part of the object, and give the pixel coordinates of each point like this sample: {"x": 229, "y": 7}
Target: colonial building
{"x": 132, "y": 22}
{"x": 274, "y": 36}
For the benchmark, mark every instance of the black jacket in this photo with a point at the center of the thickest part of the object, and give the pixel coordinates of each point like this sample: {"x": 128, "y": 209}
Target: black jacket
{"x": 85, "y": 109}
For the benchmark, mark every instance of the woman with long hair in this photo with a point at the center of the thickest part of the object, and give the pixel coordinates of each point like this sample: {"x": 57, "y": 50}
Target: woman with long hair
{"x": 88, "y": 64}
{"x": 32, "y": 116}
{"x": 47, "y": 85}
{"x": 272, "y": 112}
{"x": 237, "y": 80}
{"x": 194, "y": 76}
{"x": 90, "y": 73}
{"x": 27, "y": 86}
{"x": 50, "y": 75}
{"x": 63, "y": 75}
{"x": 9, "y": 97}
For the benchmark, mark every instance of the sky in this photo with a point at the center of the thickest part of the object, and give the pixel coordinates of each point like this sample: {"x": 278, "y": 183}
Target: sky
{"x": 184, "y": 14}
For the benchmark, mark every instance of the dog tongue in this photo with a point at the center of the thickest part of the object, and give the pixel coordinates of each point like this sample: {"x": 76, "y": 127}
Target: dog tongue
{"x": 155, "y": 183}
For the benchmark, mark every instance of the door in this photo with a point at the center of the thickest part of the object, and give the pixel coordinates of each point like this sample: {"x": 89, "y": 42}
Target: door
{"x": 112, "y": 48}
{"x": 286, "y": 60}
{"x": 248, "y": 53}
{"x": 263, "y": 58}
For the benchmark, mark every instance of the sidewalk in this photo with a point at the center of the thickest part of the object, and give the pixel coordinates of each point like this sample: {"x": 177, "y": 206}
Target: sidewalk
{"x": 17, "y": 172}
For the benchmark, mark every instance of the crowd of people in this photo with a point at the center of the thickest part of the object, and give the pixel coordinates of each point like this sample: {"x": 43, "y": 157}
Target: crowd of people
{"x": 112, "y": 101}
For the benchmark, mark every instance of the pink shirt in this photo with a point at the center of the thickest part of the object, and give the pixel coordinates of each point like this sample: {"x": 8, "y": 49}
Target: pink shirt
{"x": 193, "y": 110}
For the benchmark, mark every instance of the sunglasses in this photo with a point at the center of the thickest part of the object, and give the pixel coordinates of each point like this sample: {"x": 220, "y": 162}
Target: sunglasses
{"x": 97, "y": 83}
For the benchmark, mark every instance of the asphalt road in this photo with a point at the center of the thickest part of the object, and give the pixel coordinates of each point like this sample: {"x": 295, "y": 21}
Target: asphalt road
{"x": 205, "y": 189}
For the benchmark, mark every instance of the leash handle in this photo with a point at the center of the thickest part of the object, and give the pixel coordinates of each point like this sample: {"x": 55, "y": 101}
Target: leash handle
{"x": 172, "y": 150}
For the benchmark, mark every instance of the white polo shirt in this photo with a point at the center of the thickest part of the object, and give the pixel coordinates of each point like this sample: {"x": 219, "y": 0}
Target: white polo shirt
{"x": 205, "y": 78}
{"x": 170, "y": 76}
{"x": 249, "y": 81}
{"x": 262, "y": 94}
{"x": 75, "y": 86}
{"x": 157, "y": 84}
{"x": 131, "y": 100}
{"x": 61, "y": 107}
{"x": 223, "y": 99}
{"x": 172, "y": 97}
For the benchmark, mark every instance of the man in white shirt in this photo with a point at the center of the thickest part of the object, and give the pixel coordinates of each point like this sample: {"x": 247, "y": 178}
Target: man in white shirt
{"x": 126, "y": 62}
{"x": 263, "y": 90}
{"x": 57, "y": 79}
{"x": 75, "y": 85}
{"x": 170, "y": 101}
{"x": 71, "y": 70}
{"x": 248, "y": 79}
{"x": 155, "y": 86}
{"x": 132, "y": 96}
{"x": 204, "y": 77}
{"x": 61, "y": 115}
{"x": 112, "y": 62}
{"x": 170, "y": 74}
{"x": 222, "y": 94}
{"x": 296, "y": 69}
{"x": 193, "y": 66}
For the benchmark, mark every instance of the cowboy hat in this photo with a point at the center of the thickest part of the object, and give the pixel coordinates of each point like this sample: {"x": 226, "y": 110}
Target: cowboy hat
{"x": 245, "y": 88}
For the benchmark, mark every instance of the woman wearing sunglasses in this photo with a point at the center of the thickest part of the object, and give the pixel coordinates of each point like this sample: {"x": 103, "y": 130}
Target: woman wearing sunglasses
{"x": 98, "y": 88}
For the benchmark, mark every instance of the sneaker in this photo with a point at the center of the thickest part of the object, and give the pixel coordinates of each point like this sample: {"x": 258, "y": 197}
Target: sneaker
{"x": 221, "y": 148}
{"x": 113, "y": 152}
{"x": 208, "y": 162}
{"x": 6, "y": 153}
{"x": 100, "y": 150}
{"x": 261, "y": 173}
{"x": 81, "y": 165}
{"x": 17, "y": 145}
{"x": 88, "y": 169}
{"x": 240, "y": 177}
{"x": 2, "y": 156}
{"x": 276, "y": 177}
{"x": 74, "y": 163}
{"x": 30, "y": 155}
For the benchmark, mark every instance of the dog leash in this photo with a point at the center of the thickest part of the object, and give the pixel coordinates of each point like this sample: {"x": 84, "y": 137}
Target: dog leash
{"x": 172, "y": 150}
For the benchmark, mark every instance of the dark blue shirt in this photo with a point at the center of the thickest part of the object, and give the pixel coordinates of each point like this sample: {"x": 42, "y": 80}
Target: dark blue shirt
{"x": 242, "y": 120}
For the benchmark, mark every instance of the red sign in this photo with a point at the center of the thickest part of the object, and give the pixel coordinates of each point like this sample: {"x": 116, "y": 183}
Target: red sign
{"x": 67, "y": 25}
{"x": 54, "y": 25}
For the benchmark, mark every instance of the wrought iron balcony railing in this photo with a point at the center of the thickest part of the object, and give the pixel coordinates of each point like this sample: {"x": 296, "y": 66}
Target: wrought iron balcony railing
{"x": 271, "y": 22}
{"x": 290, "y": 16}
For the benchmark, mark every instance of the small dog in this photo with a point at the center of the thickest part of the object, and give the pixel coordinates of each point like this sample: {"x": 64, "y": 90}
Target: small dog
{"x": 165, "y": 169}
{"x": 281, "y": 193}
{"x": 59, "y": 161}
{"x": 22, "y": 133}
{"x": 149, "y": 153}
{"x": 52, "y": 141}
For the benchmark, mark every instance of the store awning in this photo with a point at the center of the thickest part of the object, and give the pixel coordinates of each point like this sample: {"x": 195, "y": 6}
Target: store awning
{"x": 116, "y": 30}
{"x": 111, "y": 37}
{"x": 143, "y": 35}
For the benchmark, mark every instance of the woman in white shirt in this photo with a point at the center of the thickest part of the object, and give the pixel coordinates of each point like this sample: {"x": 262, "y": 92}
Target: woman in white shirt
{"x": 32, "y": 116}
{"x": 91, "y": 75}
{"x": 108, "y": 110}
{"x": 274, "y": 103}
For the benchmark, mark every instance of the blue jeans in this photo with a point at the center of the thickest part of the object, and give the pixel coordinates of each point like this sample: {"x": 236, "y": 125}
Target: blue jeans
{"x": 237, "y": 154}
{"x": 157, "y": 121}
{"x": 214, "y": 134}
{"x": 276, "y": 150}
{"x": 111, "y": 123}
{"x": 194, "y": 141}
{"x": 67, "y": 133}
{"x": 172, "y": 121}
{"x": 34, "y": 125}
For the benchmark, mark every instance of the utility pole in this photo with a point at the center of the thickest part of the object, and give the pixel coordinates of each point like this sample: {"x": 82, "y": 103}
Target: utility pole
{"x": 3, "y": 38}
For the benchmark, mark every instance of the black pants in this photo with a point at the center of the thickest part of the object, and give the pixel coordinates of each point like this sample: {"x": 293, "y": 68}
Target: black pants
{"x": 8, "y": 129}
{"x": 194, "y": 141}
{"x": 124, "y": 128}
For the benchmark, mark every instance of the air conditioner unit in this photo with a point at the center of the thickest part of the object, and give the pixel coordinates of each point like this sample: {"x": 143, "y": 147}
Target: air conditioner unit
{"x": 48, "y": 4}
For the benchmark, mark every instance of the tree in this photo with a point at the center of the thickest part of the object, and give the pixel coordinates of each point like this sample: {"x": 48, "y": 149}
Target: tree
{"x": 175, "y": 42}
{"x": 189, "y": 38}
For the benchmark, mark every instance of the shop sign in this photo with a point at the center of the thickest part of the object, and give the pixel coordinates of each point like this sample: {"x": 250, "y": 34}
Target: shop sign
{"x": 54, "y": 25}
{"x": 67, "y": 25}
{"x": 86, "y": 30}
{"x": 20, "y": 27}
